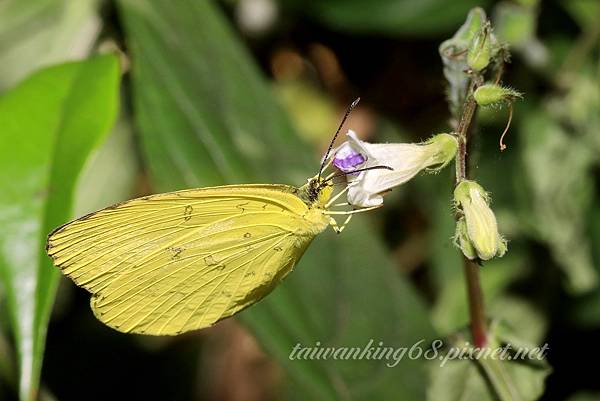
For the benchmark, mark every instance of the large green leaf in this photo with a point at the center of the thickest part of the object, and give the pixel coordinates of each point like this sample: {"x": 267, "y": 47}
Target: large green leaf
{"x": 207, "y": 117}
{"x": 50, "y": 124}
{"x": 37, "y": 33}
{"x": 392, "y": 17}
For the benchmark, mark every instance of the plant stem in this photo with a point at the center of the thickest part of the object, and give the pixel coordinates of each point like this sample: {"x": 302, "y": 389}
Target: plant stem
{"x": 476, "y": 304}
{"x": 474, "y": 294}
{"x": 462, "y": 130}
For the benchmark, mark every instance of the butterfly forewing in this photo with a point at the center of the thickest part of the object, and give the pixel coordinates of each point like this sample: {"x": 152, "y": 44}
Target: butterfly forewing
{"x": 180, "y": 261}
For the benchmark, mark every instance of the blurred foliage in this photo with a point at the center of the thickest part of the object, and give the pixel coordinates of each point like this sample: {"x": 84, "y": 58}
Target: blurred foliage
{"x": 392, "y": 17}
{"x": 74, "y": 108}
{"x": 43, "y": 32}
{"x": 203, "y": 105}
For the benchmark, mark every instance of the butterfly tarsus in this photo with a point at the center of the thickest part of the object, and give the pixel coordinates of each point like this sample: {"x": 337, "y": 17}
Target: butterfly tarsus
{"x": 338, "y": 229}
{"x": 336, "y": 197}
{"x": 355, "y": 211}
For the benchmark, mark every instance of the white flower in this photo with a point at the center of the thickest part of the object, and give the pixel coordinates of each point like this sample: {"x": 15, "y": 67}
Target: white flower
{"x": 406, "y": 160}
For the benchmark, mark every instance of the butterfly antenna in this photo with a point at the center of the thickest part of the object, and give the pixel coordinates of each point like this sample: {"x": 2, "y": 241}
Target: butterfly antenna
{"x": 348, "y": 111}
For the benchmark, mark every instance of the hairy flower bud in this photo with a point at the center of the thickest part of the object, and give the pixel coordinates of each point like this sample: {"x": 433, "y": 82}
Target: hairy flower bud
{"x": 480, "y": 221}
{"x": 493, "y": 95}
{"x": 454, "y": 56}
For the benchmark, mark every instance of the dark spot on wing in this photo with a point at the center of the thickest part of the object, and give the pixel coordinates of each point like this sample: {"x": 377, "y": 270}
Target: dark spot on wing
{"x": 241, "y": 207}
{"x": 278, "y": 249}
{"x": 247, "y": 235}
{"x": 187, "y": 212}
{"x": 176, "y": 252}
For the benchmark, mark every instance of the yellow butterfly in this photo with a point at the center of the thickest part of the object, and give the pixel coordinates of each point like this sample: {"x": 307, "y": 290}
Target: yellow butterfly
{"x": 179, "y": 261}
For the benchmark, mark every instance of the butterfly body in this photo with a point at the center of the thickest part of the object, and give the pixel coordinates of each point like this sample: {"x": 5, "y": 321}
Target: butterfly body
{"x": 174, "y": 262}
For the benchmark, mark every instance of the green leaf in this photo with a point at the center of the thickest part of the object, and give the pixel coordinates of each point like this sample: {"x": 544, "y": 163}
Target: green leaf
{"x": 556, "y": 200}
{"x": 36, "y": 33}
{"x": 392, "y": 17}
{"x": 206, "y": 116}
{"x": 524, "y": 320}
{"x": 50, "y": 124}
{"x": 451, "y": 310}
{"x": 488, "y": 378}
{"x": 209, "y": 100}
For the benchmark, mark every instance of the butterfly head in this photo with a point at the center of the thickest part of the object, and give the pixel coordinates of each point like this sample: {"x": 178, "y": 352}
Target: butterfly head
{"x": 316, "y": 191}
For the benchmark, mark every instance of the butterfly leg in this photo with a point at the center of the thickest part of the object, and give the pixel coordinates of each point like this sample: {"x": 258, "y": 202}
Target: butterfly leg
{"x": 364, "y": 209}
{"x": 339, "y": 229}
{"x": 336, "y": 197}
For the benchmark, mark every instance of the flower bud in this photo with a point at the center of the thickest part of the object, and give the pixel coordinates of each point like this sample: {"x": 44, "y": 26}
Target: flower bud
{"x": 475, "y": 19}
{"x": 493, "y": 95}
{"x": 454, "y": 51}
{"x": 462, "y": 241}
{"x": 442, "y": 149}
{"x": 480, "y": 49}
{"x": 480, "y": 222}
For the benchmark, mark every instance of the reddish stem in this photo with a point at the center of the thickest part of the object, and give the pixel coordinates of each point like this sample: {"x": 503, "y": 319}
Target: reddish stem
{"x": 474, "y": 293}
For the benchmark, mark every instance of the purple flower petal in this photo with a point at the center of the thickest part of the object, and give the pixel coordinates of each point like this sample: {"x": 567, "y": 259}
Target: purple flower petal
{"x": 348, "y": 160}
